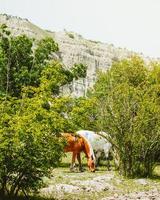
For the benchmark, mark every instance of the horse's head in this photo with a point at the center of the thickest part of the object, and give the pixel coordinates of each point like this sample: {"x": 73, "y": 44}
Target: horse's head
{"x": 91, "y": 164}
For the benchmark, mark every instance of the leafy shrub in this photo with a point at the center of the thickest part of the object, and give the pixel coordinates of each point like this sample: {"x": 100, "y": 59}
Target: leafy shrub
{"x": 128, "y": 110}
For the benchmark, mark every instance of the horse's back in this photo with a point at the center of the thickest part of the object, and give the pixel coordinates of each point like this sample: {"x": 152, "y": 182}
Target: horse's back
{"x": 89, "y": 135}
{"x": 74, "y": 143}
{"x": 97, "y": 141}
{"x": 94, "y": 138}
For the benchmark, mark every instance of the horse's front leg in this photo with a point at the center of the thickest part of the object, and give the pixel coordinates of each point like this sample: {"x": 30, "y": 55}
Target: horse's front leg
{"x": 74, "y": 155}
{"x": 79, "y": 161}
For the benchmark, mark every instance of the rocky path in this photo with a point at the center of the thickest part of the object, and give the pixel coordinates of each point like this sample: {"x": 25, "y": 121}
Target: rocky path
{"x": 102, "y": 185}
{"x": 147, "y": 195}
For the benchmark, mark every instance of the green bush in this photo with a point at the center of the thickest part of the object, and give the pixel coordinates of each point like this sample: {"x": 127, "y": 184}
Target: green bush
{"x": 29, "y": 146}
{"x": 128, "y": 110}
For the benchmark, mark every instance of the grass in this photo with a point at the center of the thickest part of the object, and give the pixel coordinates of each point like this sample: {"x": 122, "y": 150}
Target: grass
{"x": 121, "y": 185}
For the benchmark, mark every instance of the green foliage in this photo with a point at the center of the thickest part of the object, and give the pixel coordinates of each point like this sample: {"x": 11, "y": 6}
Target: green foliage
{"x": 30, "y": 145}
{"x": 44, "y": 49}
{"x": 131, "y": 71}
{"x": 54, "y": 76}
{"x": 19, "y": 65}
{"x": 79, "y": 71}
{"x": 128, "y": 110}
{"x": 83, "y": 114}
{"x": 20, "y": 60}
{"x": 155, "y": 73}
{"x": 32, "y": 111}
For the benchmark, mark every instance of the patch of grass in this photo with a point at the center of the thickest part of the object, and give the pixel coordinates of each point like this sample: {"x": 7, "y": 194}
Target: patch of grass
{"x": 30, "y": 198}
{"x": 121, "y": 185}
{"x": 156, "y": 171}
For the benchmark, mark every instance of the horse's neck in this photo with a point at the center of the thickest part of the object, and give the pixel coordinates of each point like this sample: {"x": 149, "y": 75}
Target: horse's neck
{"x": 88, "y": 149}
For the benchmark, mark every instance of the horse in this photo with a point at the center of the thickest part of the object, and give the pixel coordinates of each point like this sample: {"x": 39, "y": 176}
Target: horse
{"x": 77, "y": 144}
{"x": 99, "y": 144}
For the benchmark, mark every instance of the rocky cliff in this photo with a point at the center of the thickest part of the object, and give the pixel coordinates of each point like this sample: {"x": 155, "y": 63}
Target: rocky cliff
{"x": 73, "y": 49}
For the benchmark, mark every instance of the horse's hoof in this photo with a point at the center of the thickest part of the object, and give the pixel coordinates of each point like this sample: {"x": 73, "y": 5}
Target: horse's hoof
{"x": 81, "y": 170}
{"x": 74, "y": 169}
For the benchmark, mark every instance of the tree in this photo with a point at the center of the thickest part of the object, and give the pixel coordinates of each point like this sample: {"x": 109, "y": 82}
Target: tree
{"x": 55, "y": 76}
{"x": 128, "y": 110}
{"x": 79, "y": 71}
{"x": 4, "y": 62}
{"x": 33, "y": 112}
{"x": 30, "y": 143}
{"x": 83, "y": 115}
{"x": 19, "y": 65}
{"x": 45, "y": 48}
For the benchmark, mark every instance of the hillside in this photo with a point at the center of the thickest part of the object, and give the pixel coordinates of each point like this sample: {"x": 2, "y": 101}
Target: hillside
{"x": 73, "y": 49}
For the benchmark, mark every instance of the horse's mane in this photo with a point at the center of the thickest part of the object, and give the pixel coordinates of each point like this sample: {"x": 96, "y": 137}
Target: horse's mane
{"x": 89, "y": 146}
{"x": 70, "y": 133}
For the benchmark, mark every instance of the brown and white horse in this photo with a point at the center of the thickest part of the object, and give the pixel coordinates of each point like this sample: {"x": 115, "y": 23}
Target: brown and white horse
{"x": 77, "y": 144}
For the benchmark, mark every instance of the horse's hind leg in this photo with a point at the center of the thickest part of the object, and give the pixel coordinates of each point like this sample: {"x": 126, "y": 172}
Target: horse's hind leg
{"x": 98, "y": 155}
{"x": 108, "y": 164}
{"x": 107, "y": 159}
{"x": 79, "y": 161}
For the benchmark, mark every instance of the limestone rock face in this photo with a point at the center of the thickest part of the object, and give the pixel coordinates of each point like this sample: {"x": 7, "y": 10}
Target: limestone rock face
{"x": 96, "y": 55}
{"x": 19, "y": 26}
{"x": 73, "y": 49}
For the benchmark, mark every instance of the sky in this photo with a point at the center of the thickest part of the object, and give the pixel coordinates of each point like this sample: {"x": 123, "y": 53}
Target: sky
{"x": 131, "y": 24}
